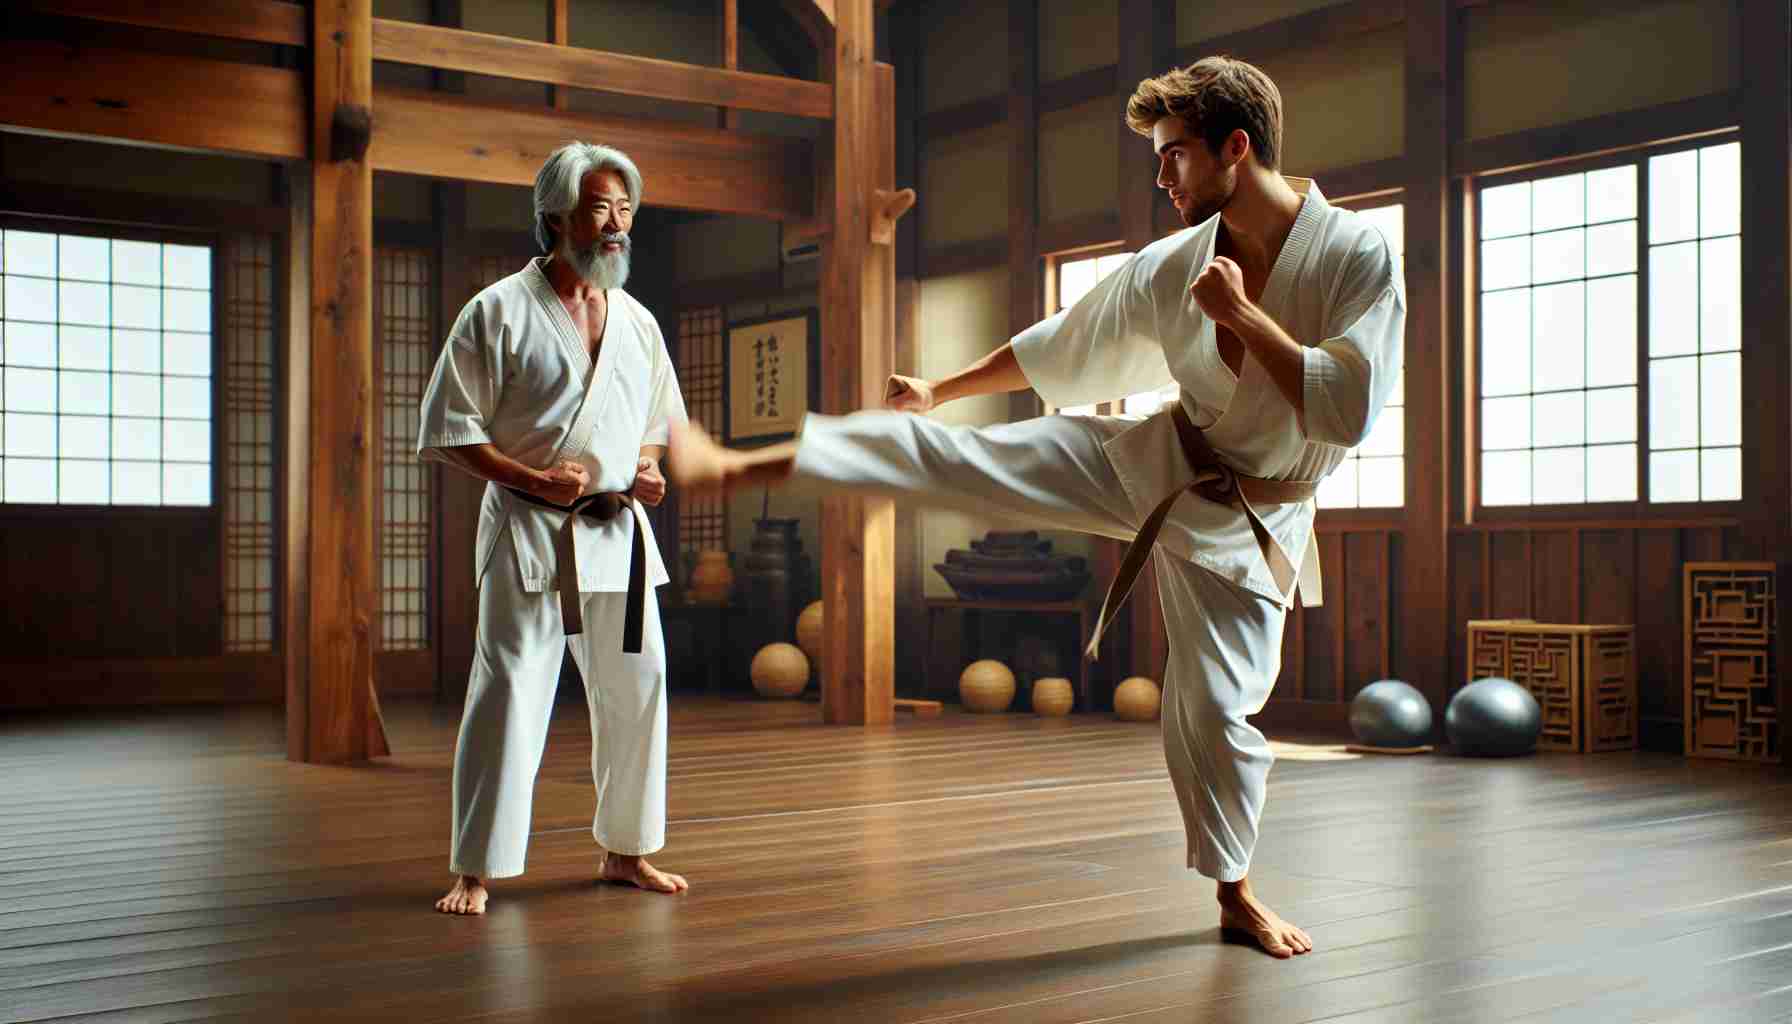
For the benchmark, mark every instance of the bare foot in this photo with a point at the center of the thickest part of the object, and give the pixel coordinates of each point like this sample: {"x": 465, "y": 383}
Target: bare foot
{"x": 637, "y": 872}
{"x": 694, "y": 461}
{"x": 1242, "y": 913}
{"x": 467, "y": 897}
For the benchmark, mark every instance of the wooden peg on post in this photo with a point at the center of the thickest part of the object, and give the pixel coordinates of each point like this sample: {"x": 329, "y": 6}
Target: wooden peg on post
{"x": 887, "y": 208}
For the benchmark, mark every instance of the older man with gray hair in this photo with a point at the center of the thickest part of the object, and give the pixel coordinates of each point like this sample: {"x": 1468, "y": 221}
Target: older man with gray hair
{"x": 555, "y": 388}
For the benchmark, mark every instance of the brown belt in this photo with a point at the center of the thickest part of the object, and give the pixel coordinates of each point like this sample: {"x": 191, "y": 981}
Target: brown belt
{"x": 600, "y": 506}
{"x": 1215, "y": 481}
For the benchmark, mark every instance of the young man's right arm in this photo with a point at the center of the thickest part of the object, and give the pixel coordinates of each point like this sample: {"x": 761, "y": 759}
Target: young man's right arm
{"x": 995, "y": 373}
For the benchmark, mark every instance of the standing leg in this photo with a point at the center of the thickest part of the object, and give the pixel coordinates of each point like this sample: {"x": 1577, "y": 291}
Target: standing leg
{"x": 503, "y": 730}
{"x": 626, "y": 694}
{"x": 1225, "y": 655}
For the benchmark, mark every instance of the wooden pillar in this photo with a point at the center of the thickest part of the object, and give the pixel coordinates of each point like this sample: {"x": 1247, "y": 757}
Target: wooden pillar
{"x": 558, "y": 31}
{"x": 1025, "y": 283}
{"x": 857, "y": 309}
{"x": 330, "y": 495}
{"x": 1433, "y": 378}
{"x": 729, "y": 44}
{"x": 1767, "y": 305}
{"x": 910, "y": 585}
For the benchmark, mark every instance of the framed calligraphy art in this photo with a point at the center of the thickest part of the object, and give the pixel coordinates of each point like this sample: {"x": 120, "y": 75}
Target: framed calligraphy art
{"x": 771, "y": 365}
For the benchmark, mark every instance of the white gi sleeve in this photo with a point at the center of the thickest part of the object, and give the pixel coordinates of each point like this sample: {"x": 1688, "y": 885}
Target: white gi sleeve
{"x": 666, "y": 404}
{"x": 1350, "y": 374}
{"x": 463, "y": 392}
{"x": 1102, "y": 349}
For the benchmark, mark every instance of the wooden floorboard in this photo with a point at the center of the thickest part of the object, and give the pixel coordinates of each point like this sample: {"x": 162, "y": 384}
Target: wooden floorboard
{"x": 171, "y": 865}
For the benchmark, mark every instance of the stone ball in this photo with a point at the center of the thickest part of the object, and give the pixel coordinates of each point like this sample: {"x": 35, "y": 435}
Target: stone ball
{"x": 1390, "y": 713}
{"x": 1493, "y": 717}
{"x": 1052, "y": 697}
{"x": 809, "y": 625}
{"x": 780, "y": 670}
{"x": 986, "y": 686}
{"x": 1137, "y": 700}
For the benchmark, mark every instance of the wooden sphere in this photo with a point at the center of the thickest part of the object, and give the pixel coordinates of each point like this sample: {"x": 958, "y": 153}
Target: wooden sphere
{"x": 808, "y": 631}
{"x": 1052, "y": 697}
{"x": 986, "y": 686}
{"x": 1136, "y": 700}
{"x": 780, "y": 670}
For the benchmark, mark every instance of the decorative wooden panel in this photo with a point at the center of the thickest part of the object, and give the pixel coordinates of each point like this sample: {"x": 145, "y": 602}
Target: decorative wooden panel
{"x": 405, "y": 356}
{"x": 1584, "y": 677}
{"x": 248, "y": 352}
{"x": 1732, "y": 709}
{"x": 702, "y": 520}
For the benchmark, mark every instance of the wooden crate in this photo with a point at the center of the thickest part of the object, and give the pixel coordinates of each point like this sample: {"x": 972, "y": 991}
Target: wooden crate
{"x": 1732, "y": 709}
{"x": 1583, "y": 676}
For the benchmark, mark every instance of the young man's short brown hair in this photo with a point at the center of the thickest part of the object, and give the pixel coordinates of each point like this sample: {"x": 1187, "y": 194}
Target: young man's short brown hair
{"x": 1214, "y": 96}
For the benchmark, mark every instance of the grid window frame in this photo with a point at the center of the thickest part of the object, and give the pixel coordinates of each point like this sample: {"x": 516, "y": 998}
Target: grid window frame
{"x": 207, "y": 387}
{"x": 1054, "y": 304}
{"x": 702, "y": 519}
{"x": 1355, "y": 510}
{"x": 1642, "y": 506}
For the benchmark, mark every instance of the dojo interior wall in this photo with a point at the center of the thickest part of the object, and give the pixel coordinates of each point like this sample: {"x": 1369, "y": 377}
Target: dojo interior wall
{"x": 1527, "y": 67}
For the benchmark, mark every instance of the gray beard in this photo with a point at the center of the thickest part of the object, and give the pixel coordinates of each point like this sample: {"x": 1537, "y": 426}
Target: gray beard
{"x": 596, "y": 267}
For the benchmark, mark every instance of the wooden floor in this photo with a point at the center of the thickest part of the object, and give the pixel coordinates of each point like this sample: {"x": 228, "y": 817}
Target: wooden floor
{"x": 173, "y": 866}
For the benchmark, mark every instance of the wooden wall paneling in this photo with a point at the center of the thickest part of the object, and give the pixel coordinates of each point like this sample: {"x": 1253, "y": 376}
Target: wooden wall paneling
{"x": 64, "y": 682}
{"x": 1433, "y": 83}
{"x": 910, "y": 586}
{"x": 341, "y": 713}
{"x": 1702, "y": 544}
{"x": 1767, "y": 298}
{"x": 1468, "y": 600}
{"x": 1608, "y": 583}
{"x": 1659, "y": 611}
{"x": 1321, "y": 627}
{"x": 197, "y": 585}
{"x": 1553, "y": 579}
{"x": 1365, "y": 604}
{"x": 730, "y": 52}
{"x": 1509, "y": 567}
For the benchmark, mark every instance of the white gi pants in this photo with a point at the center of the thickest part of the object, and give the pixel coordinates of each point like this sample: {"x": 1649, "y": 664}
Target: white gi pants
{"x": 1225, "y": 641}
{"x": 510, "y": 698}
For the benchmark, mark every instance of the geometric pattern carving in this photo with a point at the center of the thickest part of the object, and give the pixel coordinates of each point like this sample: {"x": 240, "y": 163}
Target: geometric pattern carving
{"x": 1732, "y": 705}
{"x": 1584, "y": 678}
{"x": 249, "y": 349}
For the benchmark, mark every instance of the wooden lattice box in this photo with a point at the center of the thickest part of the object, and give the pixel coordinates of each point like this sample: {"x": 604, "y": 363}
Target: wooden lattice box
{"x": 1584, "y": 677}
{"x": 1732, "y": 709}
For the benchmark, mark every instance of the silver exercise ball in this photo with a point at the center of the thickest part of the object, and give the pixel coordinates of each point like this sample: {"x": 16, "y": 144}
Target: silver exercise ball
{"x": 1390, "y": 713}
{"x": 1493, "y": 717}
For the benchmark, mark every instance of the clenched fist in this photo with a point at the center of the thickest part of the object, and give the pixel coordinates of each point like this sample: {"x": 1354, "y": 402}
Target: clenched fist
{"x": 1219, "y": 291}
{"x": 650, "y": 484}
{"x": 565, "y": 482}
{"x": 908, "y": 394}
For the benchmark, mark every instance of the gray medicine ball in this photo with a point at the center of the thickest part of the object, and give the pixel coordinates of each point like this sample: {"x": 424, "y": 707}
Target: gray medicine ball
{"x": 1493, "y": 717}
{"x": 1390, "y": 713}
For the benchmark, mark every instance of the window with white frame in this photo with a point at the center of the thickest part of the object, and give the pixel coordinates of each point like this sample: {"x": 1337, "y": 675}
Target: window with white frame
{"x": 106, "y": 359}
{"x": 1077, "y": 276}
{"x": 1373, "y": 474}
{"x": 1610, "y": 332}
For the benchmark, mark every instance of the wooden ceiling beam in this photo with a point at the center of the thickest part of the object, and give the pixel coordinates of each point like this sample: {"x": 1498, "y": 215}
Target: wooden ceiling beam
{"x": 154, "y": 99}
{"x": 406, "y": 42}
{"x": 262, "y": 21}
{"x": 685, "y": 166}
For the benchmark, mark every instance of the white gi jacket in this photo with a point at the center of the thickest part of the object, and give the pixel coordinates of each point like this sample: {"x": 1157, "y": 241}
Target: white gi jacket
{"x": 516, "y": 373}
{"x": 1333, "y": 288}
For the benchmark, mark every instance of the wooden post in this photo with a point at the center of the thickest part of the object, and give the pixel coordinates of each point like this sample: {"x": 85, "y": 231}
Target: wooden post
{"x": 857, "y": 310}
{"x": 1024, "y": 278}
{"x": 726, "y": 119}
{"x": 1767, "y": 300}
{"x": 557, "y": 34}
{"x": 1432, "y": 377}
{"x": 330, "y": 636}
